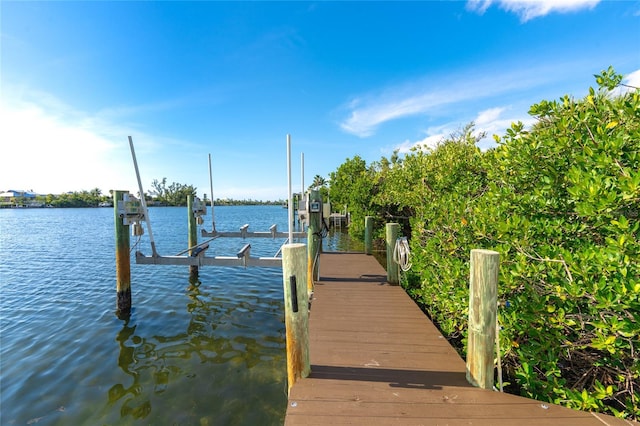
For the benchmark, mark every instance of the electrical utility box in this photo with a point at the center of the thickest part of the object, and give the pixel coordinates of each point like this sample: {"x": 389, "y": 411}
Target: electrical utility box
{"x": 130, "y": 210}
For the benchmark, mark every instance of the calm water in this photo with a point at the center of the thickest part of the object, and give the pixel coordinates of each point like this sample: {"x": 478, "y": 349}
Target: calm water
{"x": 211, "y": 354}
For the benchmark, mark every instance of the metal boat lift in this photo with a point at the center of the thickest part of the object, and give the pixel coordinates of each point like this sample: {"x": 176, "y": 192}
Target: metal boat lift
{"x": 242, "y": 258}
{"x": 134, "y": 211}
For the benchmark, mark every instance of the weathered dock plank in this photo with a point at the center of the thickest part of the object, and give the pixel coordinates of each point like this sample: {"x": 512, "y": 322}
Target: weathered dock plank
{"x": 376, "y": 359}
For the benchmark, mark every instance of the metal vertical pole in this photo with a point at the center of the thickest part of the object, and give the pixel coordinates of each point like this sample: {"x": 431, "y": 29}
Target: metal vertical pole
{"x": 213, "y": 216}
{"x": 123, "y": 261}
{"x": 142, "y": 199}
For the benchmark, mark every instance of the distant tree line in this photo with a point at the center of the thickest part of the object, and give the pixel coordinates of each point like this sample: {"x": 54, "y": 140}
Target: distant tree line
{"x": 249, "y": 202}
{"x": 174, "y": 194}
{"x": 83, "y": 198}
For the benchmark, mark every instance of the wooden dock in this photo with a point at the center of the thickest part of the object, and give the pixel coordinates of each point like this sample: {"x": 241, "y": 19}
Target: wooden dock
{"x": 376, "y": 359}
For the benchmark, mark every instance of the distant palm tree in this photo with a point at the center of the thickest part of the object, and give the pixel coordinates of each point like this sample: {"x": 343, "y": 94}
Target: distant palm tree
{"x": 318, "y": 182}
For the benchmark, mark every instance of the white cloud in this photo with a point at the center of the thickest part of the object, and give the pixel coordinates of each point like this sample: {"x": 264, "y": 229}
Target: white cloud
{"x": 489, "y": 115}
{"x": 430, "y": 141}
{"x": 429, "y": 96}
{"x": 530, "y": 9}
{"x": 633, "y": 79}
{"x": 52, "y": 148}
{"x": 489, "y": 121}
{"x": 434, "y": 135}
{"x": 479, "y": 6}
{"x": 630, "y": 83}
{"x": 363, "y": 121}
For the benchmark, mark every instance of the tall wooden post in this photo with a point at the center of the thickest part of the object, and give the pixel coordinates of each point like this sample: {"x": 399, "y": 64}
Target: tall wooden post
{"x": 296, "y": 312}
{"x": 123, "y": 260}
{"x": 368, "y": 235}
{"x": 483, "y": 303}
{"x": 393, "y": 272}
{"x": 193, "y": 237}
{"x": 314, "y": 239}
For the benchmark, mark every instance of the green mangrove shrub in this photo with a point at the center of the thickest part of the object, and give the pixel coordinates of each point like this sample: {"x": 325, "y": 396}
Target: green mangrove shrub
{"x": 564, "y": 197}
{"x": 559, "y": 202}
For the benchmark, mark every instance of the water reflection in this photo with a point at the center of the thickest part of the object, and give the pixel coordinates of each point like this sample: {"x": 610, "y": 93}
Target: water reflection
{"x": 227, "y": 343}
{"x": 338, "y": 239}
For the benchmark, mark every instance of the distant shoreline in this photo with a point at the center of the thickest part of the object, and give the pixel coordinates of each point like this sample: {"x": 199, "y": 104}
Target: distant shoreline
{"x": 221, "y": 204}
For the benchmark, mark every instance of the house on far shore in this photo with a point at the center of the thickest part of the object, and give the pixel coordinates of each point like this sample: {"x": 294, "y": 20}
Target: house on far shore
{"x": 19, "y": 198}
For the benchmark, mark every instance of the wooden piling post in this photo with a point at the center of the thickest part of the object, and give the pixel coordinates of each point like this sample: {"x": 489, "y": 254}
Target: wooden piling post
{"x": 368, "y": 235}
{"x": 314, "y": 239}
{"x": 483, "y": 302}
{"x": 193, "y": 237}
{"x": 296, "y": 309}
{"x": 123, "y": 260}
{"x": 393, "y": 272}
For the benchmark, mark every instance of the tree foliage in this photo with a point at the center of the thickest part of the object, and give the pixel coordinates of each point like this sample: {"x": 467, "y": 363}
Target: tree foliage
{"x": 319, "y": 183}
{"x": 173, "y": 195}
{"x": 559, "y": 202}
{"x": 76, "y": 199}
{"x": 352, "y": 187}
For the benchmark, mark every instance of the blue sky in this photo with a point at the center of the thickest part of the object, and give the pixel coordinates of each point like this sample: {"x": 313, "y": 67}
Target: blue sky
{"x": 232, "y": 79}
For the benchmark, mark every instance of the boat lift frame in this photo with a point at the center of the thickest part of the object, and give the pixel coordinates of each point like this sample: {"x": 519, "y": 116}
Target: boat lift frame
{"x": 198, "y": 252}
{"x": 243, "y": 256}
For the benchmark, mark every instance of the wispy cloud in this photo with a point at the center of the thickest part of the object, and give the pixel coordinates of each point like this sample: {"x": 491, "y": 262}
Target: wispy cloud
{"x": 530, "y": 9}
{"x": 48, "y": 155}
{"x": 492, "y": 121}
{"x": 429, "y": 141}
{"x": 633, "y": 79}
{"x": 364, "y": 120}
{"x": 57, "y": 148}
{"x": 495, "y": 121}
{"x": 368, "y": 112}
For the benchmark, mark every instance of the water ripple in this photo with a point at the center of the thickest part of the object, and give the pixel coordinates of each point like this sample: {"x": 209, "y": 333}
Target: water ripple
{"x": 211, "y": 354}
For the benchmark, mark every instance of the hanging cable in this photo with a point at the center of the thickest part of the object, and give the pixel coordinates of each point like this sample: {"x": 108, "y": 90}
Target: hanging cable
{"x": 402, "y": 254}
{"x": 135, "y": 244}
{"x": 322, "y": 233}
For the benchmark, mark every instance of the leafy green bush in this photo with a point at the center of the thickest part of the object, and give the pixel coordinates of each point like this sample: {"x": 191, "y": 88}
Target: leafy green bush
{"x": 560, "y": 203}
{"x": 565, "y": 198}
{"x": 440, "y": 187}
{"x": 352, "y": 186}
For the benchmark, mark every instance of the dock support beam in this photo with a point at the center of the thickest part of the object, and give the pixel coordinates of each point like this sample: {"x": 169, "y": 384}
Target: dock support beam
{"x": 368, "y": 235}
{"x": 483, "y": 303}
{"x": 296, "y": 312}
{"x": 314, "y": 238}
{"x": 193, "y": 238}
{"x": 123, "y": 261}
{"x": 393, "y": 272}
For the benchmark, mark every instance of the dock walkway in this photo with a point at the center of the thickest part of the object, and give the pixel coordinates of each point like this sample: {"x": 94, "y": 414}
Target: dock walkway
{"x": 376, "y": 359}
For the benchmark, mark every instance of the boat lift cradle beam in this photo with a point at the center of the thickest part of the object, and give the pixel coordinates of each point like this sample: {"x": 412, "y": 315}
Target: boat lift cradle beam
{"x": 201, "y": 260}
{"x": 242, "y": 258}
{"x": 245, "y": 233}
